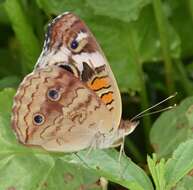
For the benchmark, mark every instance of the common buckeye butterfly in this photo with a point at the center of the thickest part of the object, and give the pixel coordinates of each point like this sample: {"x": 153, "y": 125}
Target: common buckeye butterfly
{"x": 71, "y": 100}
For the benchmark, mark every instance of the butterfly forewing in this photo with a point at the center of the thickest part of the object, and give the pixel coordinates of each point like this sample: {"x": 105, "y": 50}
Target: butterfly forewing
{"x": 70, "y": 44}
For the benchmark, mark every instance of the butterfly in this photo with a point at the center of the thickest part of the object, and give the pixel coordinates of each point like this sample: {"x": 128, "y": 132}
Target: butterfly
{"x": 71, "y": 100}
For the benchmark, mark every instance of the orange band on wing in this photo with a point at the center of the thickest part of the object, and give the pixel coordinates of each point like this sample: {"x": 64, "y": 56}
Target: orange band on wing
{"x": 107, "y": 98}
{"x": 99, "y": 83}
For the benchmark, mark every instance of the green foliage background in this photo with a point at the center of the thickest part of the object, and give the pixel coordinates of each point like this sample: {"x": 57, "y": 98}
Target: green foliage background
{"x": 149, "y": 46}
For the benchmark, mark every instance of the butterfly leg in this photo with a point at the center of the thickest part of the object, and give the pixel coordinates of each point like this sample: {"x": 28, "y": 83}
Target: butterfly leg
{"x": 94, "y": 143}
{"x": 122, "y": 151}
{"x": 90, "y": 149}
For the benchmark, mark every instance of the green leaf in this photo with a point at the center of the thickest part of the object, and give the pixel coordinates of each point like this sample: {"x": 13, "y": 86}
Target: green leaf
{"x": 185, "y": 184}
{"x": 57, "y": 6}
{"x": 189, "y": 69}
{"x": 106, "y": 164}
{"x": 27, "y": 168}
{"x": 147, "y": 39}
{"x": 181, "y": 20}
{"x": 3, "y": 16}
{"x": 6, "y": 97}
{"x": 180, "y": 164}
{"x": 9, "y": 62}
{"x": 175, "y": 126}
{"x": 39, "y": 171}
{"x": 24, "y": 32}
{"x": 157, "y": 169}
{"x": 123, "y": 10}
{"x": 10, "y": 81}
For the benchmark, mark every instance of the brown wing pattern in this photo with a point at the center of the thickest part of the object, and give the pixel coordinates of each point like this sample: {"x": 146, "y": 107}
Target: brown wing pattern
{"x": 71, "y": 100}
{"x": 69, "y": 42}
{"x": 55, "y": 110}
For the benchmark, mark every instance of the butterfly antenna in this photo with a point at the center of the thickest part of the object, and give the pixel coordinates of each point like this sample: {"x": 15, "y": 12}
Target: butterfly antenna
{"x": 141, "y": 114}
{"x": 121, "y": 151}
{"x": 158, "y": 111}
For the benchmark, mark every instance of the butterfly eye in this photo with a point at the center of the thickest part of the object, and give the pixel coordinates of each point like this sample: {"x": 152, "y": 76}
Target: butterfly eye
{"x": 53, "y": 95}
{"x": 38, "y": 119}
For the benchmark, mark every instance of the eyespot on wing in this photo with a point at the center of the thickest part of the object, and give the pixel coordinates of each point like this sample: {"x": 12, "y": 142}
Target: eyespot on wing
{"x": 62, "y": 124}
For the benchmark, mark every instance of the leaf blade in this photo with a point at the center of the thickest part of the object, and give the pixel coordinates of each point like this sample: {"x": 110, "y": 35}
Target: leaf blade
{"x": 180, "y": 164}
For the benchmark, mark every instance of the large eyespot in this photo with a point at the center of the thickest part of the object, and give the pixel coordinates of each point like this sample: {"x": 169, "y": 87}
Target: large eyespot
{"x": 76, "y": 45}
{"x": 53, "y": 94}
{"x": 38, "y": 119}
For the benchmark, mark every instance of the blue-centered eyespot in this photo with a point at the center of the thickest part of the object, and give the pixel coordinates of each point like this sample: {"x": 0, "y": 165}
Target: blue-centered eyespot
{"x": 53, "y": 94}
{"x": 38, "y": 119}
{"x": 74, "y": 44}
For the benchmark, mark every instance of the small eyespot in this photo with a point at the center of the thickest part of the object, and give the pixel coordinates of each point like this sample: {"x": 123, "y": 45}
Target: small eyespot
{"x": 38, "y": 119}
{"x": 74, "y": 44}
{"x": 53, "y": 95}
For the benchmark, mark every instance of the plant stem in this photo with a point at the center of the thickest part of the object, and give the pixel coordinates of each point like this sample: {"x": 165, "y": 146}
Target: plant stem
{"x": 134, "y": 151}
{"x": 143, "y": 93}
{"x": 38, "y": 23}
{"x": 186, "y": 84}
{"x": 30, "y": 48}
{"x": 163, "y": 33}
{"x": 190, "y": 7}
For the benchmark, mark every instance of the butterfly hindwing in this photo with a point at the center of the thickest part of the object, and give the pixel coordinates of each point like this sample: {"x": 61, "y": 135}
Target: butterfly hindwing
{"x": 57, "y": 111}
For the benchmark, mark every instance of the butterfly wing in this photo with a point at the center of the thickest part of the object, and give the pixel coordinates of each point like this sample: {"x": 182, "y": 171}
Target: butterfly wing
{"x": 70, "y": 44}
{"x": 55, "y": 110}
